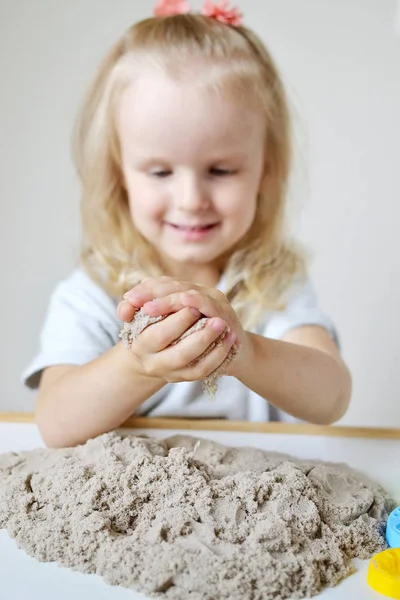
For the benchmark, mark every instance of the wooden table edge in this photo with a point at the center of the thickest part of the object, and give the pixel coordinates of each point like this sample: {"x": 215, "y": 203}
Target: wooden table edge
{"x": 240, "y": 426}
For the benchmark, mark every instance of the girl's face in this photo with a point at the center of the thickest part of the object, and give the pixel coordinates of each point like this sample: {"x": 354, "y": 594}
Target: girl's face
{"x": 192, "y": 164}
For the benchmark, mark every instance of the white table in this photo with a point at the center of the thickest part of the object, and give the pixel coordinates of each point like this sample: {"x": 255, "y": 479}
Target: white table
{"x": 22, "y": 577}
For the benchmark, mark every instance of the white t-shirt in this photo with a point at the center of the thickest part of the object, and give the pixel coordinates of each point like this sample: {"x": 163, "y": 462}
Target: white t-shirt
{"x": 81, "y": 324}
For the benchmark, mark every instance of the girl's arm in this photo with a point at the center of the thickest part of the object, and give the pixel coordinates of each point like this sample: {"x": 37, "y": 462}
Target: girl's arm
{"x": 76, "y": 403}
{"x": 302, "y": 375}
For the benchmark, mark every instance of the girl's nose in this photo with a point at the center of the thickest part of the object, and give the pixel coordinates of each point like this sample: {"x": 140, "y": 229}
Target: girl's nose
{"x": 192, "y": 195}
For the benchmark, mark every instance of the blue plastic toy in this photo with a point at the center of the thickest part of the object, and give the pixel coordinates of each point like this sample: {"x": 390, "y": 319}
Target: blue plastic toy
{"x": 393, "y": 529}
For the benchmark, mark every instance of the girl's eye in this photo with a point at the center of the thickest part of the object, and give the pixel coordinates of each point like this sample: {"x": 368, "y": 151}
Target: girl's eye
{"x": 160, "y": 174}
{"x": 220, "y": 172}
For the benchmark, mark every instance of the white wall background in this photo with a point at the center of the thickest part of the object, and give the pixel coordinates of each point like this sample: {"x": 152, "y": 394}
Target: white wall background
{"x": 341, "y": 61}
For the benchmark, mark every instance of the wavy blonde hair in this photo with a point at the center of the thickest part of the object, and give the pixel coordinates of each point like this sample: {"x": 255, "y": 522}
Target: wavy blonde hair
{"x": 263, "y": 265}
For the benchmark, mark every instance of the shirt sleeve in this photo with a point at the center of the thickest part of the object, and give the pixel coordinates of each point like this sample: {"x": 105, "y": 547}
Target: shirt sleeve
{"x": 80, "y": 325}
{"x": 301, "y": 310}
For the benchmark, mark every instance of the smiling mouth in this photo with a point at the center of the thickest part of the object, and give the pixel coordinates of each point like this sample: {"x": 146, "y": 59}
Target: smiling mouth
{"x": 193, "y": 228}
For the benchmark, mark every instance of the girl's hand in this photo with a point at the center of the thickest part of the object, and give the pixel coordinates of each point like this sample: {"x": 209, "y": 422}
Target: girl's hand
{"x": 166, "y": 295}
{"x": 157, "y": 357}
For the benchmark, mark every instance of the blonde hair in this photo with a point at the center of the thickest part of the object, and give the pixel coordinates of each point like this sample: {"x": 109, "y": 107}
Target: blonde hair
{"x": 263, "y": 265}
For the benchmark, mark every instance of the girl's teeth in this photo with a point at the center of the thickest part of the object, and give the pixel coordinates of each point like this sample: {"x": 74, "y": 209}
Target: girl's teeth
{"x": 192, "y": 228}
{"x": 198, "y": 228}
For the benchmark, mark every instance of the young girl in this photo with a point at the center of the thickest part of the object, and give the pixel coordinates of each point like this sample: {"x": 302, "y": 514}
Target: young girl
{"x": 183, "y": 150}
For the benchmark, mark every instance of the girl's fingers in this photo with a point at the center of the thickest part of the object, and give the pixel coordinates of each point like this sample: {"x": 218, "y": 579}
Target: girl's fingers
{"x": 154, "y": 288}
{"x": 125, "y": 311}
{"x": 207, "y": 364}
{"x": 178, "y": 356}
{"x": 208, "y": 306}
{"x": 160, "y": 335}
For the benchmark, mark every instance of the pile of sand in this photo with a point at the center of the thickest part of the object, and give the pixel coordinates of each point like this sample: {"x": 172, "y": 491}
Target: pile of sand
{"x": 182, "y": 518}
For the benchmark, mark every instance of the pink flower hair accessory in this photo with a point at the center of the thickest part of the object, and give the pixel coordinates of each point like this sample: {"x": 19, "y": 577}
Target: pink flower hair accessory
{"x": 166, "y": 8}
{"x": 219, "y": 12}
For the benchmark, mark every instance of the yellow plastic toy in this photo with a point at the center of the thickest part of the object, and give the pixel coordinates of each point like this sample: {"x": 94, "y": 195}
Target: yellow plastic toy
{"x": 384, "y": 573}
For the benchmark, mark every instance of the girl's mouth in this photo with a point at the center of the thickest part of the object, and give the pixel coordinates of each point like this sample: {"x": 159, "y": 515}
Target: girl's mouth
{"x": 193, "y": 232}
{"x": 193, "y": 227}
